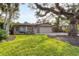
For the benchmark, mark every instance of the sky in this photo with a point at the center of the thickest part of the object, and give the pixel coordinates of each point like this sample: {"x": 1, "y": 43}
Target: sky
{"x": 26, "y": 14}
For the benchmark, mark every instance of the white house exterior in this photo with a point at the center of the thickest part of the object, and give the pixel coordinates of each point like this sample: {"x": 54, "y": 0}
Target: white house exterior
{"x": 32, "y": 28}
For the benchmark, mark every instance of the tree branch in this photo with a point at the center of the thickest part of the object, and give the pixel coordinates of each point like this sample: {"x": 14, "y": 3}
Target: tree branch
{"x": 62, "y": 10}
{"x": 47, "y": 9}
{"x": 52, "y": 9}
{"x": 41, "y": 15}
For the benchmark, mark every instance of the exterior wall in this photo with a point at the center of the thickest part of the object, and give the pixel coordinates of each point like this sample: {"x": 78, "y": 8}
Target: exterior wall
{"x": 29, "y": 28}
{"x": 35, "y": 30}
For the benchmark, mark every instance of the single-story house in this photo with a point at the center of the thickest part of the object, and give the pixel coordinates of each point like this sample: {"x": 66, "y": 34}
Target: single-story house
{"x": 27, "y": 28}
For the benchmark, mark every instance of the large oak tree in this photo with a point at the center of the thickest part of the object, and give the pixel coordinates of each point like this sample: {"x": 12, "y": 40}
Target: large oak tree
{"x": 69, "y": 11}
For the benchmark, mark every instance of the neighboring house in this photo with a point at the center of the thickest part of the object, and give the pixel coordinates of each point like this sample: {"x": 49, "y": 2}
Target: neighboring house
{"x": 27, "y": 28}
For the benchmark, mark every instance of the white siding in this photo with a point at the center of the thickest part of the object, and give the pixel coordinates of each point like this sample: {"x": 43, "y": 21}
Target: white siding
{"x": 35, "y": 29}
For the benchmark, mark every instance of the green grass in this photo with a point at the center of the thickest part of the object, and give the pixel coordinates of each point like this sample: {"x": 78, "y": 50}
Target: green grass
{"x": 37, "y": 45}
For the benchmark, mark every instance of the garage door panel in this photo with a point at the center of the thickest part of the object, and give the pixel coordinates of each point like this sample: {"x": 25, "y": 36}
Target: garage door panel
{"x": 45, "y": 29}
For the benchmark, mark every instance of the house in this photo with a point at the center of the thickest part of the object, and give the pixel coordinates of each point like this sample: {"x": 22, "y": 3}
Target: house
{"x": 27, "y": 28}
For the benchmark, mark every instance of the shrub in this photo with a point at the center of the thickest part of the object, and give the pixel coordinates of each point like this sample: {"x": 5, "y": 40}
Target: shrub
{"x": 3, "y": 34}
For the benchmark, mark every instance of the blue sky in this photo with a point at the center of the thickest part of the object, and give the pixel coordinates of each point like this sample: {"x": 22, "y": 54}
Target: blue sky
{"x": 26, "y": 14}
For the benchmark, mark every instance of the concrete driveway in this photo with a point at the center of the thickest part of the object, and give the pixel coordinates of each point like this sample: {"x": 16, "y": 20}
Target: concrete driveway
{"x": 56, "y": 34}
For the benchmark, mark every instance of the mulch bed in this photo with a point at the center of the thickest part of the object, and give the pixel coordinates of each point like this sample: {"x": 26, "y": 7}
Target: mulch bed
{"x": 10, "y": 38}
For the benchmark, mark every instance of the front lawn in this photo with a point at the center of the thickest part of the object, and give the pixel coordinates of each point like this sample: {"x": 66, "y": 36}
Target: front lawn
{"x": 37, "y": 45}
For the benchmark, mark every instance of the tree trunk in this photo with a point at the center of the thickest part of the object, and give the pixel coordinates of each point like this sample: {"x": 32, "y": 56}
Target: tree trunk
{"x": 7, "y": 29}
{"x": 73, "y": 27}
{"x": 7, "y": 24}
{"x": 5, "y": 21}
{"x": 73, "y": 30}
{"x": 57, "y": 24}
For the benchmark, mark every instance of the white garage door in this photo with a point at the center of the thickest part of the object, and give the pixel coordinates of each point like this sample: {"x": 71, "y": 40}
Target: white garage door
{"x": 45, "y": 30}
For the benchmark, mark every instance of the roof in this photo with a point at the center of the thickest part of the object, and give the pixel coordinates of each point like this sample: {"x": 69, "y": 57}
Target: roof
{"x": 32, "y": 24}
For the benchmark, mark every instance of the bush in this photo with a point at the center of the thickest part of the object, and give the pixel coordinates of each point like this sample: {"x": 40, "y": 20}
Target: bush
{"x": 3, "y": 34}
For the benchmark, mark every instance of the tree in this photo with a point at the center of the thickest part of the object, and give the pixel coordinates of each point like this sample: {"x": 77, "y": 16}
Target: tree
{"x": 8, "y": 11}
{"x": 45, "y": 20}
{"x": 57, "y": 24}
{"x": 70, "y": 11}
